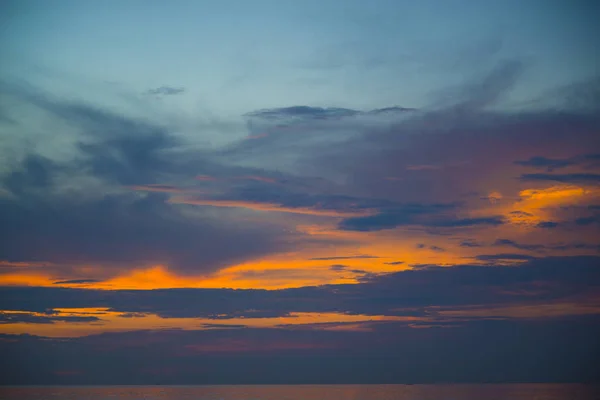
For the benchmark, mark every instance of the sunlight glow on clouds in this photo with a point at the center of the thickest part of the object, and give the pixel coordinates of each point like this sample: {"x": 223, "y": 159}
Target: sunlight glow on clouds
{"x": 424, "y": 164}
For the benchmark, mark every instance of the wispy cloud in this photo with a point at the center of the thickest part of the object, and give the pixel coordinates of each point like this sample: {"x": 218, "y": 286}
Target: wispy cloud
{"x": 166, "y": 91}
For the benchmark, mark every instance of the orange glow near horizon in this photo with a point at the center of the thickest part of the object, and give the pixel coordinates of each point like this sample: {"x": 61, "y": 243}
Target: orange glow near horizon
{"x": 387, "y": 251}
{"x": 111, "y": 321}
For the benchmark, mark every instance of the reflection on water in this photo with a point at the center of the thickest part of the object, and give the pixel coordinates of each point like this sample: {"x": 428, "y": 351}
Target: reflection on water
{"x": 308, "y": 392}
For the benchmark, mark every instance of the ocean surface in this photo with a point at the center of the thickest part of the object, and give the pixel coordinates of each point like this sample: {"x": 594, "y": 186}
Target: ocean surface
{"x": 308, "y": 392}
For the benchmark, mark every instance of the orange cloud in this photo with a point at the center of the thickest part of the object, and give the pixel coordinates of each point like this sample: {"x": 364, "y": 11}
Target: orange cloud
{"x": 113, "y": 321}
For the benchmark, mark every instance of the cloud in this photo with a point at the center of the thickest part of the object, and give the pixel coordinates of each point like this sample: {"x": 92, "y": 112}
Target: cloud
{"x": 427, "y": 215}
{"x": 547, "y": 163}
{"x": 345, "y": 268}
{"x": 404, "y": 215}
{"x": 563, "y": 178}
{"x": 511, "y": 243}
{"x": 357, "y": 257}
{"x": 470, "y": 243}
{"x": 125, "y": 231}
{"x": 449, "y": 313}
{"x": 463, "y": 222}
{"x": 547, "y": 224}
{"x": 484, "y": 92}
{"x": 302, "y": 112}
{"x": 536, "y": 280}
{"x": 119, "y": 186}
{"x": 503, "y": 257}
{"x": 80, "y": 210}
{"x": 385, "y": 353}
{"x": 76, "y": 281}
{"x": 166, "y": 91}
{"x": 587, "y": 220}
{"x": 546, "y": 247}
{"x": 31, "y": 318}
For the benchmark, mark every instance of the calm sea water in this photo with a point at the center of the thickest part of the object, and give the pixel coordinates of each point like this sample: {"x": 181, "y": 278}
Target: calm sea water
{"x": 308, "y": 392}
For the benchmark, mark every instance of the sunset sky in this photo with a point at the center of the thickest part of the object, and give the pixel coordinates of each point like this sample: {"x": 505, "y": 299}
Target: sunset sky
{"x": 299, "y": 191}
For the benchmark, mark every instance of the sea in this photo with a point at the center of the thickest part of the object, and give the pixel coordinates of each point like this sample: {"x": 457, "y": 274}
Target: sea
{"x": 308, "y": 392}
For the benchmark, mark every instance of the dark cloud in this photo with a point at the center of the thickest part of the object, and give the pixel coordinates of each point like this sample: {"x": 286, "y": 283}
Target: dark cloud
{"x": 470, "y": 243}
{"x": 434, "y": 248}
{"x": 405, "y": 215}
{"x": 547, "y": 163}
{"x": 302, "y": 112}
{"x": 487, "y": 351}
{"x": 415, "y": 214}
{"x": 113, "y": 226}
{"x": 521, "y": 214}
{"x": 166, "y": 91}
{"x": 133, "y": 315}
{"x": 224, "y": 326}
{"x": 463, "y": 222}
{"x": 76, "y": 281}
{"x": 504, "y": 257}
{"x": 511, "y": 243}
{"x": 564, "y": 178}
{"x": 547, "y": 224}
{"x": 345, "y": 268}
{"x": 288, "y": 199}
{"x": 546, "y": 247}
{"x": 586, "y": 161}
{"x": 29, "y": 318}
{"x": 587, "y": 220}
{"x": 443, "y": 306}
{"x": 126, "y": 231}
{"x": 386, "y": 294}
{"x": 360, "y": 256}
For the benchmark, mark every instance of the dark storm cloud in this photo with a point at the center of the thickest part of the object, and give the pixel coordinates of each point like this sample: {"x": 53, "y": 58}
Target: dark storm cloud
{"x": 166, "y": 91}
{"x": 393, "y": 294}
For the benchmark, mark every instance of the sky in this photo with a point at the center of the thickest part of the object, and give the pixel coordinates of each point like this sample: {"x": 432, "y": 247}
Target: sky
{"x": 299, "y": 192}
